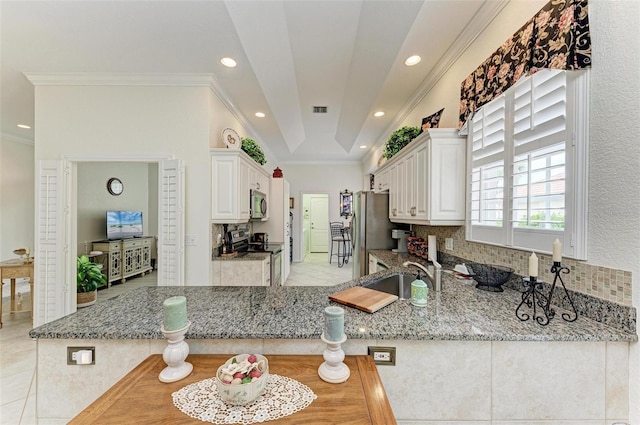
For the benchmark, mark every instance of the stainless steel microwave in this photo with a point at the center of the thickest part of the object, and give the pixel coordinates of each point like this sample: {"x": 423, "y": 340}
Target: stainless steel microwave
{"x": 258, "y": 205}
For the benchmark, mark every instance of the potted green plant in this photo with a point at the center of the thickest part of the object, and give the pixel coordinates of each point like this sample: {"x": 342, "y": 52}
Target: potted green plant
{"x": 89, "y": 277}
{"x": 254, "y": 150}
{"x": 399, "y": 139}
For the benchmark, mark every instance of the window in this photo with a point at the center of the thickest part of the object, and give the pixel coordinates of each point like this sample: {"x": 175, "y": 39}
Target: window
{"x": 527, "y": 161}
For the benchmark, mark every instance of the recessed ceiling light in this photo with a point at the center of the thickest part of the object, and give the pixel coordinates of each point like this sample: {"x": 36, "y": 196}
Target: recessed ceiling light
{"x": 228, "y": 62}
{"x": 260, "y": 114}
{"x": 363, "y": 146}
{"x": 378, "y": 114}
{"x": 412, "y": 60}
{"x": 24, "y": 126}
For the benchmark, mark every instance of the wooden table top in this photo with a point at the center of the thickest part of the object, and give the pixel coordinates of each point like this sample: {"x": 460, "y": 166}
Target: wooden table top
{"x": 140, "y": 398}
{"x": 17, "y": 262}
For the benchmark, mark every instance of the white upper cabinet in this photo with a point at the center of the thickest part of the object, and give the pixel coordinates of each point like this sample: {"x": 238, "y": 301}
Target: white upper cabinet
{"x": 427, "y": 180}
{"x": 259, "y": 180}
{"x": 233, "y": 175}
{"x": 382, "y": 181}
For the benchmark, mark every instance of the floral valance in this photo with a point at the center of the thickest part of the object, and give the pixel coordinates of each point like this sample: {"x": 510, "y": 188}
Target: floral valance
{"x": 557, "y": 37}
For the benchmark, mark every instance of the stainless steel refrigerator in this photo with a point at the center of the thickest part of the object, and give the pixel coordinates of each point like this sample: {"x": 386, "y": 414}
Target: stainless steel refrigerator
{"x": 371, "y": 228}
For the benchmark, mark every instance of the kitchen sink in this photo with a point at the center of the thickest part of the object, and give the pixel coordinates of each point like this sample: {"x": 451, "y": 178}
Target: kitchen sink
{"x": 397, "y": 284}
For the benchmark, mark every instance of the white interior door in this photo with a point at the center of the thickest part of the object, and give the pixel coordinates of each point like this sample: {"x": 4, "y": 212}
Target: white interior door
{"x": 319, "y": 221}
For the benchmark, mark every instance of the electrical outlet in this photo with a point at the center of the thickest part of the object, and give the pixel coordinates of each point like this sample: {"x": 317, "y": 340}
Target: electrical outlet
{"x": 448, "y": 244}
{"x": 72, "y": 355}
{"x": 383, "y": 355}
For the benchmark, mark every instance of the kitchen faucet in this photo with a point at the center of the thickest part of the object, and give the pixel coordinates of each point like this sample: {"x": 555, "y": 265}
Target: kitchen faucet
{"x": 435, "y": 276}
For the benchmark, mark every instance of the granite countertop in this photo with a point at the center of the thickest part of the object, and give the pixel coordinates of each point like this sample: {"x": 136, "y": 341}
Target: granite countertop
{"x": 245, "y": 256}
{"x": 459, "y": 312}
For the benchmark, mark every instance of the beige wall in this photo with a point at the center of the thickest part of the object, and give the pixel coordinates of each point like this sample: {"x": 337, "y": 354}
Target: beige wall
{"x": 614, "y": 156}
{"x": 329, "y": 179}
{"x": 16, "y": 196}
{"x": 140, "y": 188}
{"x": 136, "y": 122}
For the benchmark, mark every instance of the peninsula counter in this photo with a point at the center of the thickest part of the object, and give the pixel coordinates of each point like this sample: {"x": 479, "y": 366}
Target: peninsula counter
{"x": 465, "y": 357}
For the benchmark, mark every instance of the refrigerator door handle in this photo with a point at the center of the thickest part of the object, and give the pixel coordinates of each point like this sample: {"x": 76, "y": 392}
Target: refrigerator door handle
{"x": 354, "y": 232}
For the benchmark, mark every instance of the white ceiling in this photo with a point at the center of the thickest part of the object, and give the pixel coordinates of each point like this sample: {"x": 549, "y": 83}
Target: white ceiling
{"x": 292, "y": 55}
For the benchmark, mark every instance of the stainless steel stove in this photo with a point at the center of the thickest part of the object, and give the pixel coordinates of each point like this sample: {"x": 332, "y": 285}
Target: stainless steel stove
{"x": 241, "y": 242}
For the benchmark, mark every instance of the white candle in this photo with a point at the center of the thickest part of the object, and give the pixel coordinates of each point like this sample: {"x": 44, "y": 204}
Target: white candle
{"x": 557, "y": 251}
{"x": 533, "y": 265}
{"x": 175, "y": 313}
{"x": 333, "y": 323}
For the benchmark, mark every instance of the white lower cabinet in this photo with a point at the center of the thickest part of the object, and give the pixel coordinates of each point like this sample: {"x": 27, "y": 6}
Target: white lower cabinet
{"x": 242, "y": 272}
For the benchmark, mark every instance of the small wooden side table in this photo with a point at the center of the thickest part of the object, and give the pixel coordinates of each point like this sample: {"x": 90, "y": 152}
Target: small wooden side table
{"x": 13, "y": 269}
{"x": 140, "y": 398}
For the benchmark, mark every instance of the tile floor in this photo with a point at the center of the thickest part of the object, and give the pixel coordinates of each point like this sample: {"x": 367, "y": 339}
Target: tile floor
{"x": 18, "y": 351}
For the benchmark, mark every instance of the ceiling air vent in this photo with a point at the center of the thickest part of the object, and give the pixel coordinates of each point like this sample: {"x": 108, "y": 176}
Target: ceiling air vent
{"x": 319, "y": 109}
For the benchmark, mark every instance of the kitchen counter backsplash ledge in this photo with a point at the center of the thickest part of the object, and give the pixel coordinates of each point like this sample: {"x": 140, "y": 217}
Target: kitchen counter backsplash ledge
{"x": 459, "y": 312}
{"x": 612, "y": 314}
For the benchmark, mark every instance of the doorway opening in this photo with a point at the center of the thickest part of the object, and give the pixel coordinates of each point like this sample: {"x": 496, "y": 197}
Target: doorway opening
{"x": 57, "y": 242}
{"x": 139, "y": 194}
{"x": 315, "y": 223}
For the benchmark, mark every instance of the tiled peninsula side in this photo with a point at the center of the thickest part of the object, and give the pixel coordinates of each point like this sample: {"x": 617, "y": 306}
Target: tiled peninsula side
{"x": 465, "y": 357}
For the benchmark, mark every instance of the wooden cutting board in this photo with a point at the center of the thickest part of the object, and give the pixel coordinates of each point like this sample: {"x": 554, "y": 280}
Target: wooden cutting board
{"x": 365, "y": 299}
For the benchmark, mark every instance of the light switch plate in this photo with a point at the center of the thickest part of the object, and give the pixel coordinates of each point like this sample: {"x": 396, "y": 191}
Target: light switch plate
{"x": 190, "y": 240}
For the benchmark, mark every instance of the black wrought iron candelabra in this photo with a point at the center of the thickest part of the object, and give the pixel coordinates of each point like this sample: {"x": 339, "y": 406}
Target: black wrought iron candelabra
{"x": 535, "y": 299}
{"x": 557, "y": 268}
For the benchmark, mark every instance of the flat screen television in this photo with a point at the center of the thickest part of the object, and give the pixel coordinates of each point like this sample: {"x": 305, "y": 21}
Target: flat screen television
{"x": 124, "y": 224}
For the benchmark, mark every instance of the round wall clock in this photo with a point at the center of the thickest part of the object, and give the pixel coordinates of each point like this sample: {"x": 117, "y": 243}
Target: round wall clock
{"x": 115, "y": 186}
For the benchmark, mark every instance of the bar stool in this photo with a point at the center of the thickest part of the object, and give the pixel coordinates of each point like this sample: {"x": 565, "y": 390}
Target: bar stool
{"x": 346, "y": 234}
{"x": 337, "y": 237}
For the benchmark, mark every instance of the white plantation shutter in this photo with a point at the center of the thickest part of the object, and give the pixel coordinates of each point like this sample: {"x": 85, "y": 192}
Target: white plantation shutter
{"x": 171, "y": 216}
{"x": 486, "y": 185}
{"x": 539, "y": 143}
{"x": 488, "y": 133}
{"x": 527, "y": 165}
{"x": 540, "y": 111}
{"x": 51, "y": 290}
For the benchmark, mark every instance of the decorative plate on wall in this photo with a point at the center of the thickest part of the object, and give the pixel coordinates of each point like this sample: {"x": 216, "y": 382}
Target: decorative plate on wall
{"x": 231, "y": 138}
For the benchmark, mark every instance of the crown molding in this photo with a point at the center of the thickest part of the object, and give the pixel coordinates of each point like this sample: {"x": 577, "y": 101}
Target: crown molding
{"x": 116, "y": 158}
{"x": 16, "y": 139}
{"x": 117, "y": 79}
{"x": 479, "y": 23}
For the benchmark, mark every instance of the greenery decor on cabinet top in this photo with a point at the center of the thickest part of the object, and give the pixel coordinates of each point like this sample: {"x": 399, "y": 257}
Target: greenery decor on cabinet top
{"x": 254, "y": 150}
{"x": 399, "y": 139}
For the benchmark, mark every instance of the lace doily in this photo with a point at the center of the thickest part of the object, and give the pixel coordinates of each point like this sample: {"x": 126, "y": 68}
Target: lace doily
{"x": 282, "y": 397}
